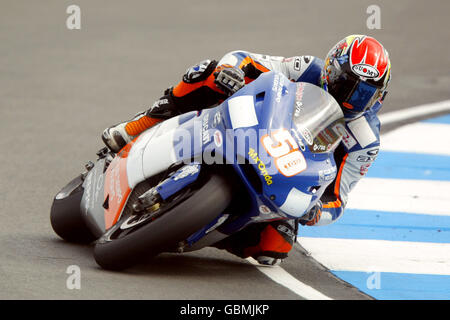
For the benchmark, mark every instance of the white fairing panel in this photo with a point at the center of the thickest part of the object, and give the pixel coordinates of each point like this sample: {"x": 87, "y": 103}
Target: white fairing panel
{"x": 362, "y": 131}
{"x": 152, "y": 152}
{"x": 296, "y": 203}
{"x": 242, "y": 112}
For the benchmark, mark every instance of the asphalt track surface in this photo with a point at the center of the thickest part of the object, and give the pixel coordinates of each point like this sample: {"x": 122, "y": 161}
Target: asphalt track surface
{"x": 60, "y": 88}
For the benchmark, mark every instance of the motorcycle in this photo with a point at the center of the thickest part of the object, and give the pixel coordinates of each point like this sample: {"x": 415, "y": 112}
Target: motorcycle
{"x": 264, "y": 154}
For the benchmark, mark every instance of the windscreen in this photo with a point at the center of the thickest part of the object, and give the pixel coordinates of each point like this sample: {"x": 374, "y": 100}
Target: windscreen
{"x": 318, "y": 118}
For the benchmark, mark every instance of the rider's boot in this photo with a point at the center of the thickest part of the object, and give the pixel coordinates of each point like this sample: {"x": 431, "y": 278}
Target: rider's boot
{"x": 118, "y": 136}
{"x": 268, "y": 243}
{"x": 275, "y": 242}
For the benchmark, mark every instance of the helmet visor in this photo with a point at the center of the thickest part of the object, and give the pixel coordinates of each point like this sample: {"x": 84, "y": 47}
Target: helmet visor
{"x": 363, "y": 96}
{"x": 355, "y": 96}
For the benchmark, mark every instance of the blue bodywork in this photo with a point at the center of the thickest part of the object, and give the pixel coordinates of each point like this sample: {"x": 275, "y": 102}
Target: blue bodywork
{"x": 212, "y": 137}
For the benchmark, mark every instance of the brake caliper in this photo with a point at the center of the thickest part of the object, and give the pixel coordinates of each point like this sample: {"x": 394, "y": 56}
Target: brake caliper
{"x": 167, "y": 188}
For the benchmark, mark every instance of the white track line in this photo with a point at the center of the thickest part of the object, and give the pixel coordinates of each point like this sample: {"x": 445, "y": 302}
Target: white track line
{"x": 379, "y": 255}
{"x": 281, "y": 276}
{"x": 414, "y": 112}
{"x": 396, "y": 195}
{"x": 428, "y": 138}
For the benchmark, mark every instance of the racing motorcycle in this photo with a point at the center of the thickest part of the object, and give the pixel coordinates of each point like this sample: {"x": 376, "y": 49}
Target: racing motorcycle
{"x": 264, "y": 154}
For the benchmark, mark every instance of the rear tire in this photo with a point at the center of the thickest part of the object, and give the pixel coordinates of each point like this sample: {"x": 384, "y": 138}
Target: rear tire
{"x": 66, "y": 218}
{"x": 175, "y": 225}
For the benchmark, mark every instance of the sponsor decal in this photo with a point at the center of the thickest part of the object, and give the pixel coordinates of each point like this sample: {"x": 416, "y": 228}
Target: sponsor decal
{"x": 347, "y": 138}
{"x": 365, "y": 158}
{"x": 264, "y": 209}
{"x": 187, "y": 171}
{"x": 298, "y": 108}
{"x": 159, "y": 103}
{"x": 365, "y": 70}
{"x": 364, "y": 168}
{"x": 298, "y": 100}
{"x": 278, "y": 85}
{"x": 218, "y": 138}
{"x": 291, "y": 164}
{"x": 287, "y": 231}
{"x": 261, "y": 166}
{"x": 298, "y": 139}
{"x": 328, "y": 174}
{"x": 319, "y": 147}
{"x": 373, "y": 152}
{"x": 299, "y": 92}
{"x": 217, "y": 119}
{"x": 297, "y": 64}
{"x": 205, "y": 126}
{"x": 306, "y": 134}
{"x": 283, "y": 147}
{"x": 218, "y": 223}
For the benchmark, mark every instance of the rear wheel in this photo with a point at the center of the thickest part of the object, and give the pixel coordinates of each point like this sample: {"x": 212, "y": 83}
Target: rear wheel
{"x": 65, "y": 214}
{"x": 136, "y": 237}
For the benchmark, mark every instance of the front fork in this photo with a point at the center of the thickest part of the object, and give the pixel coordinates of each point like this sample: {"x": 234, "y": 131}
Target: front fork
{"x": 183, "y": 177}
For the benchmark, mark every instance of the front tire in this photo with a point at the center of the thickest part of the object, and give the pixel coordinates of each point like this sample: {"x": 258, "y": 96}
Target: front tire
{"x": 173, "y": 226}
{"x": 65, "y": 214}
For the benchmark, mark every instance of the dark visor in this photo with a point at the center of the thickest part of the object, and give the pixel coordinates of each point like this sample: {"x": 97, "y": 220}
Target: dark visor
{"x": 355, "y": 95}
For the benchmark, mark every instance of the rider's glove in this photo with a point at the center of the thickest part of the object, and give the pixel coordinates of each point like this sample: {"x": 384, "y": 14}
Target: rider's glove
{"x": 229, "y": 79}
{"x": 312, "y": 216}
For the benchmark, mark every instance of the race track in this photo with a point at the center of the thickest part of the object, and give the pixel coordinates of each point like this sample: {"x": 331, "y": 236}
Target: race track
{"x": 60, "y": 88}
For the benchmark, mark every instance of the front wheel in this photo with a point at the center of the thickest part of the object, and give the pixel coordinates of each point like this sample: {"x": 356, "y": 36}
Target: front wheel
{"x": 133, "y": 239}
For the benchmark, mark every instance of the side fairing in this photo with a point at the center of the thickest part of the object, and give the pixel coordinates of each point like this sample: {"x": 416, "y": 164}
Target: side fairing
{"x": 260, "y": 132}
{"x": 92, "y": 201}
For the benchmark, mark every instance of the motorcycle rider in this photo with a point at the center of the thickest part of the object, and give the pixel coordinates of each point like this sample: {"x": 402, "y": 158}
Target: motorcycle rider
{"x": 356, "y": 72}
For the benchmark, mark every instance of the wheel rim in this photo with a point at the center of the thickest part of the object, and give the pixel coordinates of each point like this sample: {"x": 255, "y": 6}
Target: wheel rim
{"x": 133, "y": 222}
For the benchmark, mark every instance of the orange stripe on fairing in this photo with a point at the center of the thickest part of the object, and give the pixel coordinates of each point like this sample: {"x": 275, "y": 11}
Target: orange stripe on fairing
{"x": 338, "y": 178}
{"x": 116, "y": 186}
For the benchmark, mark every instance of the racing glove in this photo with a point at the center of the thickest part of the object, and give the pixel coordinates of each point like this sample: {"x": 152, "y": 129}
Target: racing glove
{"x": 229, "y": 79}
{"x": 312, "y": 216}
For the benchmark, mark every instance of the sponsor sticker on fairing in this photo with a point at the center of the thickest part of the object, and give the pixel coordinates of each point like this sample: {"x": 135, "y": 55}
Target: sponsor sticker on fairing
{"x": 205, "y": 134}
{"x": 347, "y": 138}
{"x": 306, "y": 134}
{"x": 291, "y": 164}
{"x": 218, "y": 138}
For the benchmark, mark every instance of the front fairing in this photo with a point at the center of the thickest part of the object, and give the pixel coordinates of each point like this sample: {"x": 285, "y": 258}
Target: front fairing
{"x": 259, "y": 131}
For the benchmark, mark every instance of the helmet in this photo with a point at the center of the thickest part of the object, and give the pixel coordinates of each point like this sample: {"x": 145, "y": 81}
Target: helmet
{"x": 356, "y": 73}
